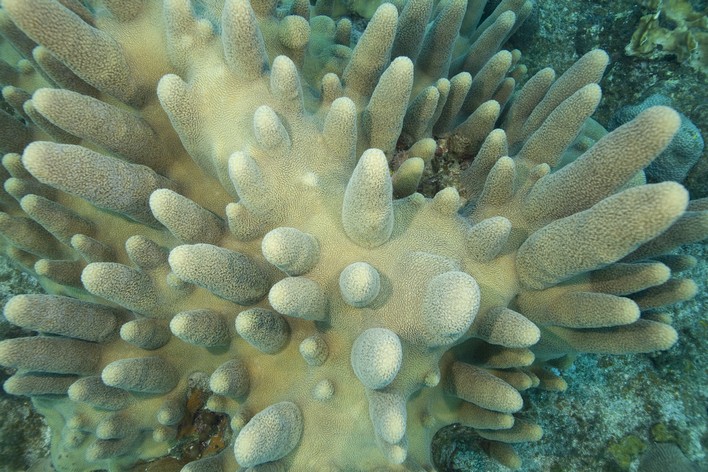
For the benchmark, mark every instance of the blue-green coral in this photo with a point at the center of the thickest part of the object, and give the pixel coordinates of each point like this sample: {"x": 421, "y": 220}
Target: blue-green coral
{"x": 206, "y": 207}
{"x": 679, "y": 157}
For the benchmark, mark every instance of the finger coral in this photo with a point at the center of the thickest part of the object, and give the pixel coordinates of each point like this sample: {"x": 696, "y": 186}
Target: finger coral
{"x": 206, "y": 191}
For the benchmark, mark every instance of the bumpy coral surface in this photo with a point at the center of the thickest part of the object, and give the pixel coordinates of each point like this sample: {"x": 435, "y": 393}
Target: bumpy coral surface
{"x": 205, "y": 190}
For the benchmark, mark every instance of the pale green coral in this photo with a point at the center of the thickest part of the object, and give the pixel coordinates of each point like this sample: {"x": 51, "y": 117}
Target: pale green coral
{"x": 675, "y": 28}
{"x": 232, "y": 223}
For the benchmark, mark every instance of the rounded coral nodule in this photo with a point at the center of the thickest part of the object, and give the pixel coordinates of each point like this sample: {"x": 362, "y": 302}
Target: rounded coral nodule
{"x": 376, "y": 357}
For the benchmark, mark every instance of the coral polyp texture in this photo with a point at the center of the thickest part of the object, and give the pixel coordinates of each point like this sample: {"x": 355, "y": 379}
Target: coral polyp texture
{"x": 223, "y": 195}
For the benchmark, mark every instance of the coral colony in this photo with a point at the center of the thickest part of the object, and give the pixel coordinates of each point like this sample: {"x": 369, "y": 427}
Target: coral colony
{"x": 204, "y": 189}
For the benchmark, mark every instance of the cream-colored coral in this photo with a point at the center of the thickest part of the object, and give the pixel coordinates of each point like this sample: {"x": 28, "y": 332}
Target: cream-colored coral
{"x": 207, "y": 194}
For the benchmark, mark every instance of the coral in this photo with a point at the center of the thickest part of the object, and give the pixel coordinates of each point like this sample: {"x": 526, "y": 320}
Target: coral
{"x": 205, "y": 189}
{"x": 626, "y": 450}
{"x": 662, "y": 456}
{"x": 364, "y": 8}
{"x": 679, "y": 157}
{"x": 673, "y": 27}
{"x": 661, "y": 433}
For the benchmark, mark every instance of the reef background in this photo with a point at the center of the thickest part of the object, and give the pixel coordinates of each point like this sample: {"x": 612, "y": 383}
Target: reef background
{"x": 615, "y": 406}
